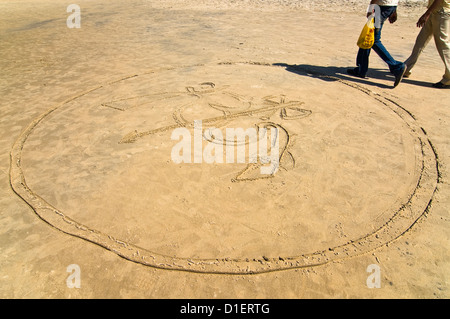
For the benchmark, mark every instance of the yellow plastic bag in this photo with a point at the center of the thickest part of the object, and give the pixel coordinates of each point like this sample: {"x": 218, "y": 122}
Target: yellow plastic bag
{"x": 367, "y": 37}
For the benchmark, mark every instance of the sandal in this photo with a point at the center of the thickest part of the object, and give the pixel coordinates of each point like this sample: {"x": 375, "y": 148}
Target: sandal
{"x": 441, "y": 85}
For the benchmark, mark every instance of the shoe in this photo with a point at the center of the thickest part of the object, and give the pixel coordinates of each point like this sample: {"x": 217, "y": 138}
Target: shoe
{"x": 441, "y": 85}
{"x": 399, "y": 77}
{"x": 353, "y": 72}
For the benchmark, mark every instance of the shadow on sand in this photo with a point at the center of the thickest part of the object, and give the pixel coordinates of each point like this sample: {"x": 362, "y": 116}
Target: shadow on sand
{"x": 332, "y": 73}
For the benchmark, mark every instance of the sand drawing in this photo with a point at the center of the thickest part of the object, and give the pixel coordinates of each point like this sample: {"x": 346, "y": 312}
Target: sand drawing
{"x": 403, "y": 217}
{"x": 238, "y": 107}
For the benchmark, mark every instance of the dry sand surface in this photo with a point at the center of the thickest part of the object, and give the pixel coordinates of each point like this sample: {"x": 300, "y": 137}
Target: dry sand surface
{"x": 87, "y": 116}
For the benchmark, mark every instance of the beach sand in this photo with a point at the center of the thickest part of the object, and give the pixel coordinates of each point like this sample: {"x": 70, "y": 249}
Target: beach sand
{"x": 88, "y": 177}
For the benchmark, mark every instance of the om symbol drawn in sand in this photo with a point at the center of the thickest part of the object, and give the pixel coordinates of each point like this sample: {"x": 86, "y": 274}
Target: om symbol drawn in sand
{"x": 231, "y": 107}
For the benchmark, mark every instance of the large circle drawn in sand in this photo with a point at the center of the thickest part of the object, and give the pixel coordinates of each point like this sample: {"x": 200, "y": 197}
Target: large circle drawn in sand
{"x": 356, "y": 171}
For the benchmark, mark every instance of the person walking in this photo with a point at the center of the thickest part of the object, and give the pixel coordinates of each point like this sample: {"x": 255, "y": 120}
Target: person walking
{"x": 435, "y": 22}
{"x": 388, "y": 10}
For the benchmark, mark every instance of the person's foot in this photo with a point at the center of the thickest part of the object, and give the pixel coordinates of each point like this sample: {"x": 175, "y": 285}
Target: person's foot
{"x": 353, "y": 72}
{"x": 441, "y": 85}
{"x": 407, "y": 73}
{"x": 400, "y": 75}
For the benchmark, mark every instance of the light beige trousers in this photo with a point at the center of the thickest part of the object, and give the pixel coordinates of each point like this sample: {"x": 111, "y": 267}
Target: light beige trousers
{"x": 437, "y": 26}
